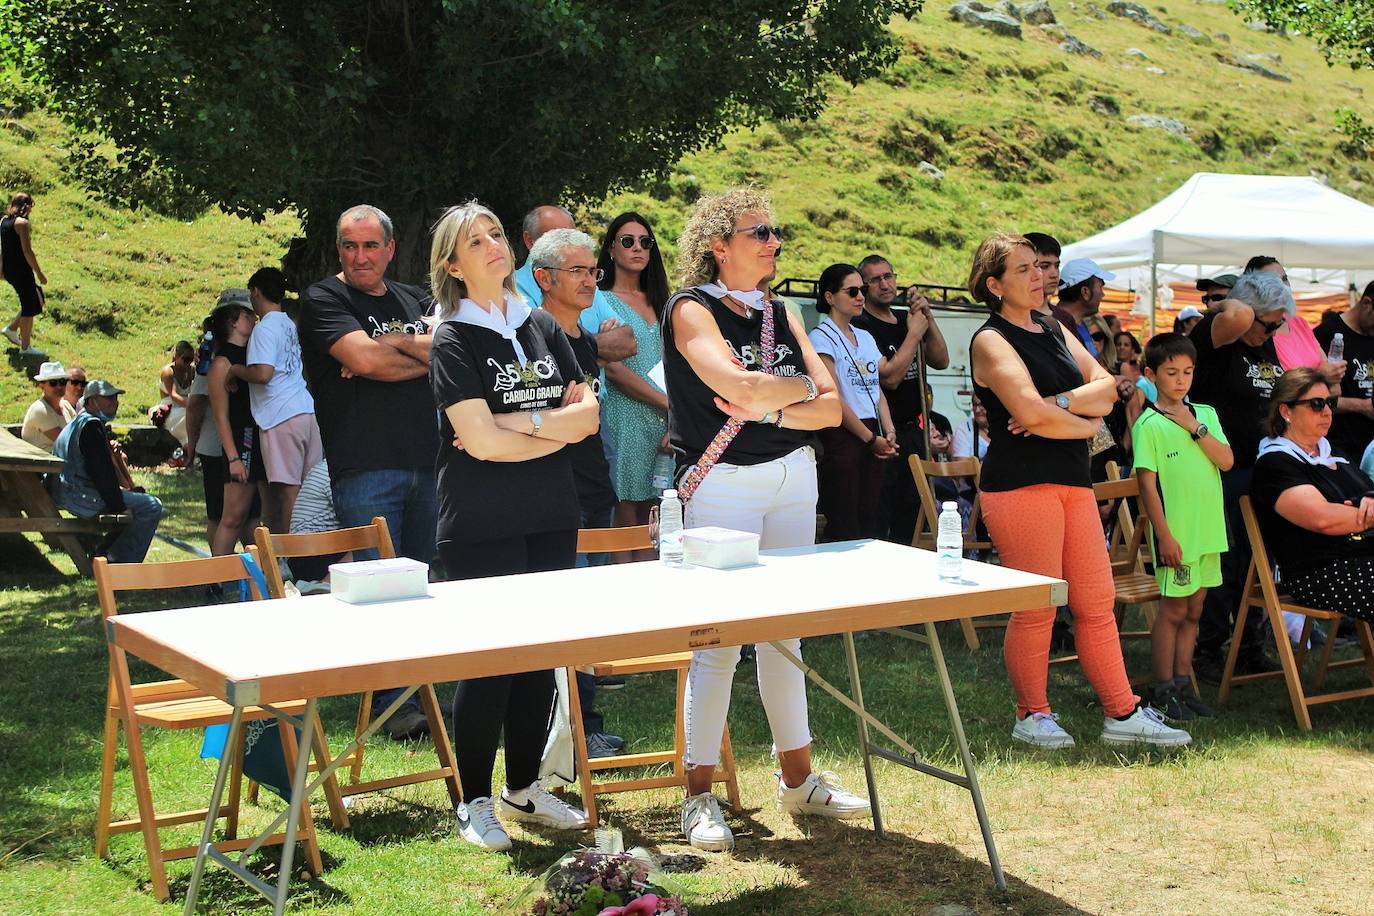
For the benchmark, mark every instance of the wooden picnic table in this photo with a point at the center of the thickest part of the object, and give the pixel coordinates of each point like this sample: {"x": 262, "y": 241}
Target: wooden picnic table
{"x": 26, "y": 506}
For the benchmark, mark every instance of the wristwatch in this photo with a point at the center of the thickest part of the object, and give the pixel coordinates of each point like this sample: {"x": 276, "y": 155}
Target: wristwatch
{"x": 810, "y": 388}
{"x": 1062, "y": 401}
{"x": 537, "y": 422}
{"x": 1199, "y": 432}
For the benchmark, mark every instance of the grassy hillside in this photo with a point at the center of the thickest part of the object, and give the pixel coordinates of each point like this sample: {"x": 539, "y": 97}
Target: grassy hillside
{"x": 1027, "y": 136}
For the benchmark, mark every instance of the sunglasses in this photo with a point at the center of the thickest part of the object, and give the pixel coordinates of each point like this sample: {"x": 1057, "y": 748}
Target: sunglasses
{"x": 761, "y": 232}
{"x": 1213, "y": 297}
{"x": 853, "y": 292}
{"x": 1272, "y": 327}
{"x": 628, "y": 241}
{"x": 1099, "y": 337}
{"x": 1317, "y": 404}
{"x": 76, "y": 382}
{"x": 57, "y": 383}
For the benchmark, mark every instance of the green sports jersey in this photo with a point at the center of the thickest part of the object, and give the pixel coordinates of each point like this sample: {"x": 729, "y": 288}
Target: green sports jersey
{"x": 1188, "y": 483}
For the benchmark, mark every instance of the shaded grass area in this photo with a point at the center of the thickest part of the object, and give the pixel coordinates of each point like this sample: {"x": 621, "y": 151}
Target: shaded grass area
{"x": 1254, "y": 816}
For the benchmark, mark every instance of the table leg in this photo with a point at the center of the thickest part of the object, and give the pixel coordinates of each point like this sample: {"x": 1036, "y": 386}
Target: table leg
{"x": 969, "y": 772}
{"x": 853, "y": 659}
{"x": 207, "y": 833}
{"x": 298, "y": 800}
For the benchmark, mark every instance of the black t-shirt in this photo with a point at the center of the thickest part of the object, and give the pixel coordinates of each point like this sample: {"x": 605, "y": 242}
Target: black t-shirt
{"x": 904, "y": 401}
{"x": 590, "y": 468}
{"x": 1351, "y": 432}
{"x": 1025, "y": 461}
{"x": 1237, "y": 380}
{"x": 1298, "y": 548}
{"x": 488, "y": 500}
{"x": 366, "y": 424}
{"x": 693, "y": 419}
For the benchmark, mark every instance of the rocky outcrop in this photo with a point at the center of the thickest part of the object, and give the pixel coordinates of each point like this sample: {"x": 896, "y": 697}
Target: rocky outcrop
{"x": 1195, "y": 34}
{"x": 1157, "y": 122}
{"x": 1138, "y": 13}
{"x": 977, "y": 15}
{"x": 1037, "y": 12}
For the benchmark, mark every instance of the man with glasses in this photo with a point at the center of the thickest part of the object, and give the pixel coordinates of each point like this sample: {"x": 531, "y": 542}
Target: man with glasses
{"x": 1236, "y": 370}
{"x": 43, "y": 421}
{"x": 898, "y": 338}
{"x": 615, "y": 341}
{"x": 76, "y": 390}
{"x": 1216, "y": 290}
{"x": 89, "y": 483}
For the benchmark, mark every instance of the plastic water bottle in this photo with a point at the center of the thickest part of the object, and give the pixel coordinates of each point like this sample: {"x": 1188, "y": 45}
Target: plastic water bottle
{"x": 670, "y": 529}
{"x": 1337, "y": 352}
{"x": 949, "y": 543}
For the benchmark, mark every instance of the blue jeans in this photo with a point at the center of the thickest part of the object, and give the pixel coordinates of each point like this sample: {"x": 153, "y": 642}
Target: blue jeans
{"x": 132, "y": 545}
{"x": 595, "y": 518}
{"x": 408, "y": 500}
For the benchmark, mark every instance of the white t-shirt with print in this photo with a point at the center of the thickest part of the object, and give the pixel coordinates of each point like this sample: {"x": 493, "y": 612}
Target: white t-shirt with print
{"x": 274, "y": 343}
{"x": 856, "y": 366}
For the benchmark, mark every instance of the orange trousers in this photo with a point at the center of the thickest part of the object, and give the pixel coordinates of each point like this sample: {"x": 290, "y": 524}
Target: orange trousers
{"x": 1055, "y": 530}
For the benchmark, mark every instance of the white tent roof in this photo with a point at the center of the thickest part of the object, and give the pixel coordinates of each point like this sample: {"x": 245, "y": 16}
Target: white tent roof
{"x": 1215, "y": 223}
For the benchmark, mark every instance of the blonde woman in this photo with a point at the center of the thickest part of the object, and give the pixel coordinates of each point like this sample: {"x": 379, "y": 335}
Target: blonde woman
{"x": 745, "y": 388}
{"x": 506, "y": 384}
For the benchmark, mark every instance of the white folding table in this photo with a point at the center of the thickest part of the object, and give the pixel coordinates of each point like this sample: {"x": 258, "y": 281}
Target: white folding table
{"x": 271, "y": 651}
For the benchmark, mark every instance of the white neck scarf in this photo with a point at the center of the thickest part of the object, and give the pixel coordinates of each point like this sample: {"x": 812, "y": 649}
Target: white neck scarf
{"x": 517, "y": 313}
{"x": 1289, "y": 447}
{"x": 754, "y": 298}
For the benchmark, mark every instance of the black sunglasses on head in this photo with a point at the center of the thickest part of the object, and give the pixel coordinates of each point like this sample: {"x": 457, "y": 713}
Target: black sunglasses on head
{"x": 1317, "y": 404}
{"x": 628, "y": 241}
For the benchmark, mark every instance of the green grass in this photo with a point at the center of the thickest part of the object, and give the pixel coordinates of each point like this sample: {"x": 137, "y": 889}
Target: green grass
{"x": 1254, "y": 817}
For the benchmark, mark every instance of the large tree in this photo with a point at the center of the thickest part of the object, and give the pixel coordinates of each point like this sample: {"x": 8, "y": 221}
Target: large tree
{"x": 265, "y": 105}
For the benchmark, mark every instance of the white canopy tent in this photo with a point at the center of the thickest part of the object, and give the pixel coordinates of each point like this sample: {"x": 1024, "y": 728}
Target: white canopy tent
{"x": 1214, "y": 223}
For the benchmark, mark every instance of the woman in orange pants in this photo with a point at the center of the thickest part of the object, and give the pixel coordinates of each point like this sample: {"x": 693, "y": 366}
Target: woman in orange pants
{"x": 1045, "y": 397}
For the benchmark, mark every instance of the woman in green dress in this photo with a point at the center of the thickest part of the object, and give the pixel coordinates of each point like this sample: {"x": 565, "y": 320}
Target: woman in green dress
{"x": 635, "y": 408}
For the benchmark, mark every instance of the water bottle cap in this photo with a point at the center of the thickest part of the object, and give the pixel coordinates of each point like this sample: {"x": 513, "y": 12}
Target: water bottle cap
{"x": 950, "y": 504}
{"x": 670, "y": 494}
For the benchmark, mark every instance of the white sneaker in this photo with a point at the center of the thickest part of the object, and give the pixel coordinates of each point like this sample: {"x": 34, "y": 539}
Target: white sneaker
{"x": 539, "y": 806}
{"x": 477, "y": 824}
{"x": 13, "y": 337}
{"x": 32, "y": 351}
{"x": 822, "y": 794}
{"x": 1042, "y": 730}
{"x": 1145, "y": 726}
{"x": 704, "y": 825}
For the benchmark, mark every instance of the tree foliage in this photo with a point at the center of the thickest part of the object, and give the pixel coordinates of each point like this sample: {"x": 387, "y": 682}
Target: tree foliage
{"x": 265, "y": 105}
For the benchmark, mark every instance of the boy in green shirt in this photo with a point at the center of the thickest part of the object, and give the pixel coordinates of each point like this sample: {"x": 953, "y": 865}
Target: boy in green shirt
{"x": 1180, "y": 450}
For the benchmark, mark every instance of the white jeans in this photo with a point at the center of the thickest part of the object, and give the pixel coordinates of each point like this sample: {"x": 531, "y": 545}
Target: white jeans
{"x": 777, "y": 501}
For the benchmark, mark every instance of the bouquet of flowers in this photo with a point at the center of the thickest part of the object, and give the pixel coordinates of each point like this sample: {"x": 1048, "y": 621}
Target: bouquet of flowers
{"x": 596, "y": 883}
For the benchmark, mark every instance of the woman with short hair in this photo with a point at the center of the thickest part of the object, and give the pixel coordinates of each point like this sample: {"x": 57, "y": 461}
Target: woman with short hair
{"x": 851, "y": 471}
{"x": 746, "y": 391}
{"x": 1045, "y": 397}
{"x": 506, "y": 382}
{"x": 1315, "y": 509}
{"x": 20, "y": 267}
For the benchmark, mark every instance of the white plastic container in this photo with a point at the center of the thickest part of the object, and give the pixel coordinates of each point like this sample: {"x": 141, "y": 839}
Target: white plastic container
{"x": 719, "y": 548}
{"x": 379, "y": 580}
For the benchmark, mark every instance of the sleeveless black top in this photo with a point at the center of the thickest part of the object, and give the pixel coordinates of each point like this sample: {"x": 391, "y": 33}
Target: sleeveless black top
{"x": 240, "y": 406}
{"x": 1024, "y": 461}
{"x": 693, "y": 419}
{"x": 16, "y": 266}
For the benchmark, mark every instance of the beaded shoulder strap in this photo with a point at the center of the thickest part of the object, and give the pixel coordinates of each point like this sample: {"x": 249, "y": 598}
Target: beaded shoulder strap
{"x": 697, "y": 472}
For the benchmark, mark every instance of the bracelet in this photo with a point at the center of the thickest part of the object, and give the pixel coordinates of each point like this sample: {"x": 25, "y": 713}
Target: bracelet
{"x": 778, "y": 422}
{"x": 872, "y": 440}
{"x": 810, "y": 388}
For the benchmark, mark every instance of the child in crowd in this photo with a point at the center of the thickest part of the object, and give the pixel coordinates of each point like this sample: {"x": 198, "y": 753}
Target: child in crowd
{"x": 1180, "y": 450}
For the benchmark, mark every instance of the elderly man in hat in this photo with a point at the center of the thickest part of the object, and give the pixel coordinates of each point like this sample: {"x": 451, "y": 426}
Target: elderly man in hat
{"x": 1216, "y": 290}
{"x": 43, "y": 421}
{"x": 89, "y": 483}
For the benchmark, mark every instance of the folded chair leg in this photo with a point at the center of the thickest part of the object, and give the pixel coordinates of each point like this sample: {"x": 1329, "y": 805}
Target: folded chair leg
{"x": 970, "y": 633}
{"x": 337, "y": 813}
{"x": 306, "y": 831}
{"x": 1291, "y": 674}
{"x": 107, "y": 765}
{"x": 727, "y": 759}
{"x": 579, "y": 739}
{"x": 1300, "y": 652}
{"x": 1237, "y": 631}
{"x": 231, "y": 826}
{"x": 1325, "y": 663}
{"x": 138, "y": 765}
{"x": 364, "y": 715}
{"x": 438, "y": 731}
{"x": 1365, "y": 635}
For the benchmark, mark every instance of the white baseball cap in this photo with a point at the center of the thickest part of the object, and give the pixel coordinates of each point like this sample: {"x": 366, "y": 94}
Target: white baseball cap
{"x": 1189, "y": 311}
{"x": 1080, "y": 269}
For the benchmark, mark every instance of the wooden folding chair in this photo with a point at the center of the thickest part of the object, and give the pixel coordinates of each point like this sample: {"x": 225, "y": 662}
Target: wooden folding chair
{"x": 175, "y": 704}
{"x": 375, "y": 536}
{"x": 615, "y": 540}
{"x": 1262, "y": 592}
{"x": 928, "y": 520}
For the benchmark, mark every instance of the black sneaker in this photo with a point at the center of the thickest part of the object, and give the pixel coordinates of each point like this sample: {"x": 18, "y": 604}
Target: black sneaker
{"x": 598, "y": 746}
{"x": 1167, "y": 702}
{"x": 1194, "y": 702}
{"x": 1255, "y": 663}
{"x": 1209, "y": 668}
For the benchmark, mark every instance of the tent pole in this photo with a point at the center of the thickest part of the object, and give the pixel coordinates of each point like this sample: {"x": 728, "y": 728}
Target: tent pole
{"x": 1154, "y": 292}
